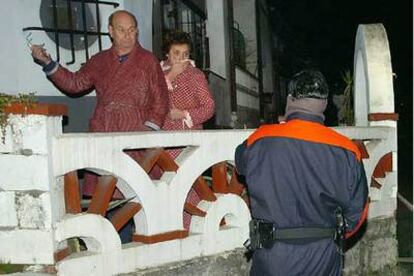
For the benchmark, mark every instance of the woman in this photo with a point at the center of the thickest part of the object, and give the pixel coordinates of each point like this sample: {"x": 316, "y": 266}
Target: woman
{"x": 191, "y": 103}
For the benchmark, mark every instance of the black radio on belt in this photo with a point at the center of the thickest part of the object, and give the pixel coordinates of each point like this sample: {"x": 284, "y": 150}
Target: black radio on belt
{"x": 261, "y": 234}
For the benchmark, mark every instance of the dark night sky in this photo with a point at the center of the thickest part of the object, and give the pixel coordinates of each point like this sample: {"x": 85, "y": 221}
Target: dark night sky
{"x": 321, "y": 33}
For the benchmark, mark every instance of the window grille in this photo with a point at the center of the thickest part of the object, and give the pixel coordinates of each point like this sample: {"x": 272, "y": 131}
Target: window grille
{"x": 72, "y": 24}
{"x": 181, "y": 15}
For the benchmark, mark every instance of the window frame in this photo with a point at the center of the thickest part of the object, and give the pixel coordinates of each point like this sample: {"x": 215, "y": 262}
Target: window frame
{"x": 197, "y": 27}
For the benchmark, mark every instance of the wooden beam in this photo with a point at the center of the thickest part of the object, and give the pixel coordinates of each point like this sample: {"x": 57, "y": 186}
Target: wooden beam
{"x": 72, "y": 193}
{"x": 203, "y": 190}
{"x": 173, "y": 235}
{"x": 219, "y": 175}
{"x": 194, "y": 210}
{"x": 122, "y": 216}
{"x": 102, "y": 195}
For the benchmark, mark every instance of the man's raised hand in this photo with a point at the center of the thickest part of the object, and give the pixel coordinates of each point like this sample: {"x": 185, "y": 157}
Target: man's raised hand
{"x": 40, "y": 55}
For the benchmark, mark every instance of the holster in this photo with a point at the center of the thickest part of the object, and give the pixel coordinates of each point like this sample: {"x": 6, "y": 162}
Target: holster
{"x": 341, "y": 226}
{"x": 261, "y": 234}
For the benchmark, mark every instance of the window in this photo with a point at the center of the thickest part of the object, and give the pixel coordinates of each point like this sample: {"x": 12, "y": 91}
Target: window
{"x": 72, "y": 24}
{"x": 239, "y": 47}
{"x": 181, "y": 15}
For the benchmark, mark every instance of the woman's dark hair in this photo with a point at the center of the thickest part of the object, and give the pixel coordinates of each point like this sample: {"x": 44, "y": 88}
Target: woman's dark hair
{"x": 174, "y": 38}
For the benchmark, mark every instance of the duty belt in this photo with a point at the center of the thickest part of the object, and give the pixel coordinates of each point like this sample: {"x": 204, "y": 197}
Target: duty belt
{"x": 263, "y": 234}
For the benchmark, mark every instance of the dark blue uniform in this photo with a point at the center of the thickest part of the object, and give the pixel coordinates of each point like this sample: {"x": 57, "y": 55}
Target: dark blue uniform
{"x": 297, "y": 174}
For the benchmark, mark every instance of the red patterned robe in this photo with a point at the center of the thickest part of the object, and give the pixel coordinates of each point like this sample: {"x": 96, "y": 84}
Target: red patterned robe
{"x": 190, "y": 92}
{"x": 130, "y": 94}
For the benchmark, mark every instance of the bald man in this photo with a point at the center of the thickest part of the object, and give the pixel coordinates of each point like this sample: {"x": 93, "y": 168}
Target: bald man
{"x": 129, "y": 83}
{"x": 130, "y": 87}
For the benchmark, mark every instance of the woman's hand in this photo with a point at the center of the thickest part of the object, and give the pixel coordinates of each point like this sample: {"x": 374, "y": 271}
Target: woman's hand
{"x": 176, "y": 114}
{"x": 177, "y": 69}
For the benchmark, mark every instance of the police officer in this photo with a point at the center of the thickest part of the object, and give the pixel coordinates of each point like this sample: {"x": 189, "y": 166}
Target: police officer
{"x": 301, "y": 176}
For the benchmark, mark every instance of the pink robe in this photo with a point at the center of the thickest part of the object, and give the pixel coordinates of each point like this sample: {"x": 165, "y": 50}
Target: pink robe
{"x": 190, "y": 92}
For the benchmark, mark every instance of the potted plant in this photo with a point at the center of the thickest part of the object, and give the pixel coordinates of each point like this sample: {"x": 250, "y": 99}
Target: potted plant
{"x": 347, "y": 109}
{"x": 6, "y": 101}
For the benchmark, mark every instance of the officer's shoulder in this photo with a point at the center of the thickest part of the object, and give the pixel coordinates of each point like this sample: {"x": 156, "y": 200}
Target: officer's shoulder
{"x": 263, "y": 131}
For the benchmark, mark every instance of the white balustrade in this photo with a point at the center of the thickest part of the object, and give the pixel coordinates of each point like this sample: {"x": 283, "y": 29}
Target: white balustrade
{"x": 162, "y": 200}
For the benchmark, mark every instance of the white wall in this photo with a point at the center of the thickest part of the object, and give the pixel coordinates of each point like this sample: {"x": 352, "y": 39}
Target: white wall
{"x": 142, "y": 10}
{"x": 215, "y": 28}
